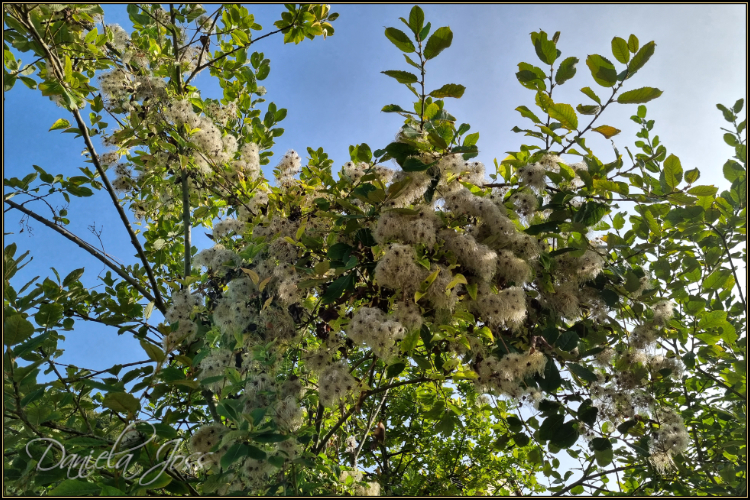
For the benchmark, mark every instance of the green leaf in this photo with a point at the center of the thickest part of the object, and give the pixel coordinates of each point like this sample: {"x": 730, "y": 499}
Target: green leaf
{"x": 392, "y": 108}
{"x": 337, "y": 288}
{"x": 471, "y": 139}
{"x": 153, "y": 351}
{"x": 716, "y": 279}
{"x": 672, "y": 171}
{"x": 550, "y": 427}
{"x": 567, "y": 341}
{"x": 121, "y": 402}
{"x": 566, "y": 71}
{"x": 633, "y": 44}
{"x": 526, "y": 113}
{"x": 692, "y": 175}
{"x": 400, "y": 40}
{"x": 531, "y": 76}
{"x": 415, "y": 165}
{"x": 270, "y": 437}
{"x": 602, "y": 70}
{"x": 733, "y": 171}
{"x": 588, "y": 109}
{"x": 702, "y": 190}
{"x": 449, "y": 90}
{"x": 590, "y": 213}
{"x": 49, "y": 314}
{"x": 61, "y": 123}
{"x": 546, "y": 50}
{"x": 75, "y": 488}
{"x": 590, "y": 93}
{"x": 607, "y": 131}
{"x": 641, "y": 58}
{"x": 395, "y": 370}
{"x": 620, "y": 50}
{"x": 425, "y": 31}
{"x": 643, "y": 94}
{"x": 401, "y": 76}
{"x": 582, "y": 372}
{"x": 565, "y": 114}
{"x": 16, "y": 329}
{"x": 552, "y": 379}
{"x": 587, "y": 412}
{"x": 416, "y": 19}
{"x": 233, "y": 454}
{"x": 74, "y": 276}
{"x": 619, "y": 221}
{"x": 439, "y": 41}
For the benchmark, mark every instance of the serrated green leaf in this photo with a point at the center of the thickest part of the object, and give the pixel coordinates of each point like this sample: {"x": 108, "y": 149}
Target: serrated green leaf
{"x": 566, "y": 71}
{"x": 400, "y": 40}
{"x": 588, "y": 109}
{"x": 590, "y": 93}
{"x": 526, "y": 113}
{"x": 620, "y": 50}
{"x": 641, "y": 58}
{"x": 633, "y": 44}
{"x": 16, "y": 329}
{"x": 401, "y": 76}
{"x": 641, "y": 95}
{"x": 440, "y": 40}
{"x": 448, "y": 90}
{"x": 602, "y": 70}
{"x": 121, "y": 402}
{"x": 672, "y": 171}
{"x": 565, "y": 114}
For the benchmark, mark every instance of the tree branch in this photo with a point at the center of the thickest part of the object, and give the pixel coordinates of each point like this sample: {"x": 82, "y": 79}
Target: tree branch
{"x": 85, "y": 245}
{"x": 60, "y": 75}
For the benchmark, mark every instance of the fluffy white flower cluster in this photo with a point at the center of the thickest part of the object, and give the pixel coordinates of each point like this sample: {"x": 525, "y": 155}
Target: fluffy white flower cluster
{"x": 215, "y": 258}
{"x": 398, "y": 269}
{"x": 506, "y": 308}
{"x": 505, "y": 376}
{"x": 120, "y": 37}
{"x": 355, "y": 171}
{"x": 289, "y": 166}
{"x": 411, "y": 229}
{"x": 183, "y": 305}
{"x": 227, "y": 226}
{"x": 526, "y": 203}
{"x": 222, "y": 114}
{"x": 476, "y": 257}
{"x": 213, "y": 365}
{"x": 335, "y": 384}
{"x": 249, "y": 162}
{"x": 373, "y": 327}
{"x": 231, "y": 314}
{"x": 415, "y": 185}
{"x": 644, "y": 335}
{"x": 671, "y": 439}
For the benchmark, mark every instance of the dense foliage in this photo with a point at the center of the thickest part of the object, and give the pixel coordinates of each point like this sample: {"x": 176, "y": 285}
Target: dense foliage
{"x": 409, "y": 330}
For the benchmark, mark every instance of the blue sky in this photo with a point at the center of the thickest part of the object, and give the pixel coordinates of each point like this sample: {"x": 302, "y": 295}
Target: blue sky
{"x": 334, "y": 91}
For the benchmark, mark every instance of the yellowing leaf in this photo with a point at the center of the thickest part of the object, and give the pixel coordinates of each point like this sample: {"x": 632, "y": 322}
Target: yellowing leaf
{"x": 458, "y": 279}
{"x": 61, "y": 123}
{"x": 607, "y": 131}
{"x": 253, "y": 275}
{"x": 264, "y": 283}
